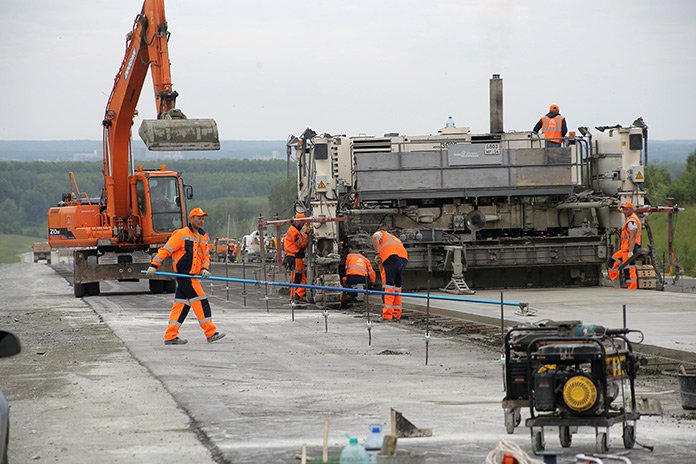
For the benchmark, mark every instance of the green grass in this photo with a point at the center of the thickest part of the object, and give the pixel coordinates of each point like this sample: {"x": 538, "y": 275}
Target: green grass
{"x": 684, "y": 237}
{"x": 11, "y": 246}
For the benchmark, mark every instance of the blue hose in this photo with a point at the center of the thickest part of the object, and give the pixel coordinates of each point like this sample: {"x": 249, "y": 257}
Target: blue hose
{"x": 342, "y": 289}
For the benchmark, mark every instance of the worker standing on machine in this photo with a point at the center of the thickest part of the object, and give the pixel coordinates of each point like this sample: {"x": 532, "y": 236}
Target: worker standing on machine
{"x": 188, "y": 248}
{"x": 630, "y": 243}
{"x": 553, "y": 126}
{"x": 295, "y": 243}
{"x": 358, "y": 271}
{"x": 394, "y": 259}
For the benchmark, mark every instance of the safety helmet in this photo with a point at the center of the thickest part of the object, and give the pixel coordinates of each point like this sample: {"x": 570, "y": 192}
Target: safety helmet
{"x": 300, "y": 216}
{"x": 626, "y": 205}
{"x": 197, "y": 212}
{"x": 554, "y": 107}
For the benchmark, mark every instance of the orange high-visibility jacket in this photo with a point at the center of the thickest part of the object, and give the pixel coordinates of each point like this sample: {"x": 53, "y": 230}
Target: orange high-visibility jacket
{"x": 390, "y": 245}
{"x": 626, "y": 234}
{"x": 295, "y": 241}
{"x": 552, "y": 127}
{"x": 357, "y": 264}
{"x": 189, "y": 251}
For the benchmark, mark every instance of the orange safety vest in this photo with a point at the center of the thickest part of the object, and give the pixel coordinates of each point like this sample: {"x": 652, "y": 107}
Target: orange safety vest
{"x": 552, "y": 127}
{"x": 188, "y": 249}
{"x": 390, "y": 245}
{"x": 626, "y": 234}
{"x": 295, "y": 241}
{"x": 357, "y": 264}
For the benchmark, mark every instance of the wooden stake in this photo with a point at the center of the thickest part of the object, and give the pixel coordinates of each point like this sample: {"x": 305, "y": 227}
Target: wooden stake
{"x": 303, "y": 458}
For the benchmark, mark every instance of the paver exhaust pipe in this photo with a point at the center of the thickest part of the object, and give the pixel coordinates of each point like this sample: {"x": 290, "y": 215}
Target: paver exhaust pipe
{"x": 496, "y": 104}
{"x": 177, "y": 133}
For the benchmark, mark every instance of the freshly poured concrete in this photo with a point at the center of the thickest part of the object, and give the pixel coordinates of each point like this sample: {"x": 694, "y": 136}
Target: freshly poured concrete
{"x": 265, "y": 389}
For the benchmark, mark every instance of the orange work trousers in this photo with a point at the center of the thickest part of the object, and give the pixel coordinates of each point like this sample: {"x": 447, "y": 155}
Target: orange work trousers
{"x": 629, "y": 271}
{"x": 393, "y": 269}
{"x": 189, "y": 294}
{"x": 298, "y": 277}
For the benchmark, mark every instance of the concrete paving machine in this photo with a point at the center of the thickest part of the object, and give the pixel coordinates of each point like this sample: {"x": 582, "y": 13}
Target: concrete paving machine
{"x": 498, "y": 209}
{"x": 570, "y": 375}
{"x": 114, "y": 236}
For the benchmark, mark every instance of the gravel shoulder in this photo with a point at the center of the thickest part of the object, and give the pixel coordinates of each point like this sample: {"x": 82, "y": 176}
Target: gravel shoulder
{"x": 76, "y": 393}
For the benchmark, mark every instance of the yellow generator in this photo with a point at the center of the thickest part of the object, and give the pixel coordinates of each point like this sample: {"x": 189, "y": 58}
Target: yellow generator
{"x": 570, "y": 375}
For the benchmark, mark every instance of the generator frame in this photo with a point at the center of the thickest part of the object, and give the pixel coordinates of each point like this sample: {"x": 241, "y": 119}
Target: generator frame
{"x": 604, "y": 417}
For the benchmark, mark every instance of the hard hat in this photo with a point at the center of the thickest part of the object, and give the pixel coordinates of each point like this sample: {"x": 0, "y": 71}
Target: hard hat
{"x": 299, "y": 215}
{"x": 554, "y": 107}
{"x": 626, "y": 205}
{"x": 197, "y": 212}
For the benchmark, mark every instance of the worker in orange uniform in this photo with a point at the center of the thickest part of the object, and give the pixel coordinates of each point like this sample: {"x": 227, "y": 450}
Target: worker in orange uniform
{"x": 295, "y": 243}
{"x": 394, "y": 259}
{"x": 553, "y": 126}
{"x": 358, "y": 271}
{"x": 188, "y": 248}
{"x": 630, "y": 243}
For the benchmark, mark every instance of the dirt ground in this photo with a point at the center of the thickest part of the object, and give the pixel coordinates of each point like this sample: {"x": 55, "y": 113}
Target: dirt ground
{"x": 75, "y": 391}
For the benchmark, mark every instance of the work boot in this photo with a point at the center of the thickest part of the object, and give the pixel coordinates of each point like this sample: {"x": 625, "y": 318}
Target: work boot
{"x": 215, "y": 337}
{"x": 176, "y": 341}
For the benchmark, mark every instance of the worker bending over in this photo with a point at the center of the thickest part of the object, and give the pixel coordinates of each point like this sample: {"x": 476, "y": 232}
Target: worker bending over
{"x": 358, "y": 271}
{"x": 394, "y": 259}
{"x": 188, "y": 248}
{"x": 630, "y": 243}
{"x": 296, "y": 241}
{"x": 553, "y": 126}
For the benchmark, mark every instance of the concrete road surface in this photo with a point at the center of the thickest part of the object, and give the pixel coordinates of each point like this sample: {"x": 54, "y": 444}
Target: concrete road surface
{"x": 95, "y": 383}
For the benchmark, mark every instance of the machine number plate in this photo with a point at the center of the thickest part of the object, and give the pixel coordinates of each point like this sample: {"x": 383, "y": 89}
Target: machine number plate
{"x": 492, "y": 149}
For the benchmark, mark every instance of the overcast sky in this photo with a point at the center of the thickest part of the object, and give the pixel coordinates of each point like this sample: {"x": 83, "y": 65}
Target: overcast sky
{"x": 265, "y": 69}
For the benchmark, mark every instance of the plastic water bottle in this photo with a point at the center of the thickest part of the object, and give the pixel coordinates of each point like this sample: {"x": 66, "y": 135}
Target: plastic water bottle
{"x": 373, "y": 442}
{"x": 450, "y": 122}
{"x": 353, "y": 453}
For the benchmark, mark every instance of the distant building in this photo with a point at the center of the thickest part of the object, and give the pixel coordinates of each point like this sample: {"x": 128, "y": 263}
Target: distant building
{"x": 275, "y": 154}
{"x": 86, "y": 156}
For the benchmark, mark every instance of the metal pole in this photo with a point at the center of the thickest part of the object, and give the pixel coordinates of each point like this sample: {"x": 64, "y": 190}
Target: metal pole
{"x": 427, "y": 326}
{"x": 326, "y": 320}
{"x": 670, "y": 234}
{"x": 227, "y": 259}
{"x": 262, "y": 252}
{"x": 624, "y": 316}
{"x": 369, "y": 322}
{"x": 244, "y": 277}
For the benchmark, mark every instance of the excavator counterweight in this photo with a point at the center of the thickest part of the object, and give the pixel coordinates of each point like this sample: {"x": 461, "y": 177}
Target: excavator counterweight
{"x": 179, "y": 134}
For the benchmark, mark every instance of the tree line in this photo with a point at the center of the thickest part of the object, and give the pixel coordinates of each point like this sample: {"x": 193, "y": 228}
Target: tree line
{"x": 238, "y": 187}
{"x": 661, "y": 184}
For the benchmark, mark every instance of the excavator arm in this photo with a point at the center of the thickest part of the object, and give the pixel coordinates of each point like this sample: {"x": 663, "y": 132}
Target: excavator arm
{"x": 146, "y": 48}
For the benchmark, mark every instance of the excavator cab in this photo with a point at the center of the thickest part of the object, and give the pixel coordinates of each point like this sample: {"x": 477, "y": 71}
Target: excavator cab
{"x": 165, "y": 203}
{"x": 180, "y": 134}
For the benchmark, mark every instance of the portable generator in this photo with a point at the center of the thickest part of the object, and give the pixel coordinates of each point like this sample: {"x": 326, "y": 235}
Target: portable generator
{"x": 570, "y": 375}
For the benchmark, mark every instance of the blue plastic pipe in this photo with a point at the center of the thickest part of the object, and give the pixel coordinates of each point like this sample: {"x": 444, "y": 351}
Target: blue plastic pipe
{"x": 343, "y": 289}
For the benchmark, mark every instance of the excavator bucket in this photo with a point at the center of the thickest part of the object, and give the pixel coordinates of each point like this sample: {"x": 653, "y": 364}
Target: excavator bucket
{"x": 180, "y": 134}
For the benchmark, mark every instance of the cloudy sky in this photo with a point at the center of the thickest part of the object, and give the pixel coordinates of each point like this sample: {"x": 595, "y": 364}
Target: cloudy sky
{"x": 265, "y": 69}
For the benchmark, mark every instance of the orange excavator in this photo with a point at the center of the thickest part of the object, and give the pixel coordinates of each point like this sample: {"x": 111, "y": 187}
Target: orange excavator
{"x": 114, "y": 236}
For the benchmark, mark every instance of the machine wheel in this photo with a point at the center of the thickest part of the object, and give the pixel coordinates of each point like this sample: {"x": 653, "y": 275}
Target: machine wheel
{"x": 565, "y": 436}
{"x": 79, "y": 290}
{"x": 510, "y": 421}
{"x": 538, "y": 443}
{"x": 156, "y": 286}
{"x": 169, "y": 286}
{"x": 629, "y": 435}
{"x": 92, "y": 288}
{"x": 602, "y": 442}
